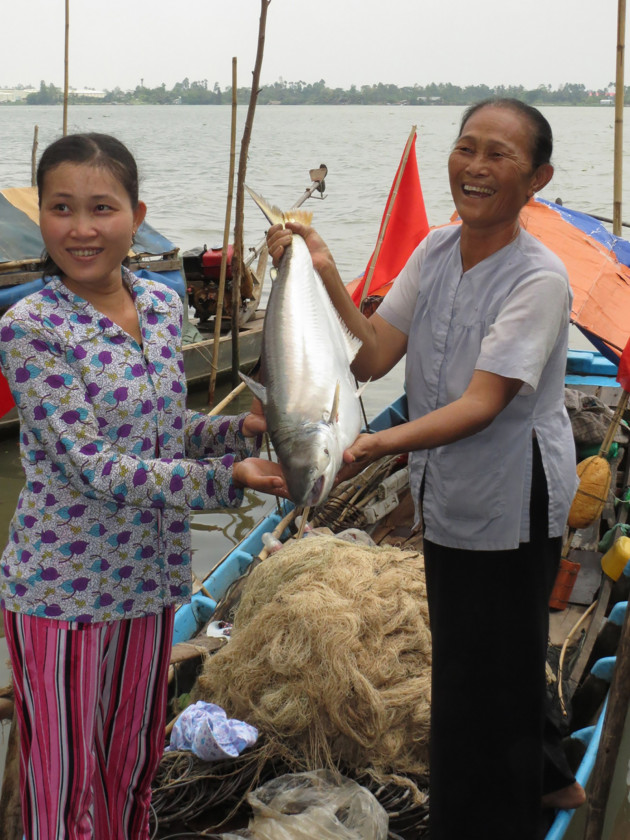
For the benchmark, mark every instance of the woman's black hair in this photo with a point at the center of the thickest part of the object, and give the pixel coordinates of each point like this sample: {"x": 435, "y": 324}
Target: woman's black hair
{"x": 98, "y": 150}
{"x": 542, "y": 139}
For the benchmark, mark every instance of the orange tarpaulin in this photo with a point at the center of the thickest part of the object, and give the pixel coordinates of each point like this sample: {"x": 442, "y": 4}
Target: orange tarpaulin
{"x": 600, "y": 282}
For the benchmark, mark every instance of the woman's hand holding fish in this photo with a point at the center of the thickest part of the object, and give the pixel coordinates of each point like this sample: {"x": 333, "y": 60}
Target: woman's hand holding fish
{"x": 261, "y": 475}
{"x": 279, "y": 238}
{"x": 363, "y": 451}
{"x": 255, "y": 423}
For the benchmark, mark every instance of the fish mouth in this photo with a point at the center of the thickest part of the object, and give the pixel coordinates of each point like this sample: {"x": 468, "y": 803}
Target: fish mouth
{"x": 314, "y": 497}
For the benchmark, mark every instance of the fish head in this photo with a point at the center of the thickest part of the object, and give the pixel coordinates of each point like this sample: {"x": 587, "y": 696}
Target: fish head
{"x": 311, "y": 465}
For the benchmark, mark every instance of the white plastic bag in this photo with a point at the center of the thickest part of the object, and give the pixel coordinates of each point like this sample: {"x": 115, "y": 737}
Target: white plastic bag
{"x": 319, "y": 804}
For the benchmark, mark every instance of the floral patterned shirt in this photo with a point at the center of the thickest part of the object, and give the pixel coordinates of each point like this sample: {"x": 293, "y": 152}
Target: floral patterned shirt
{"x": 113, "y": 460}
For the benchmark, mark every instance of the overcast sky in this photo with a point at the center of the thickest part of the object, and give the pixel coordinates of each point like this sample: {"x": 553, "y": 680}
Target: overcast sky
{"x": 119, "y": 42}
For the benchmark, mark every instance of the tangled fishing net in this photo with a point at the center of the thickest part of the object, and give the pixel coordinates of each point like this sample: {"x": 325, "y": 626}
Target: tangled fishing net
{"x": 330, "y": 658}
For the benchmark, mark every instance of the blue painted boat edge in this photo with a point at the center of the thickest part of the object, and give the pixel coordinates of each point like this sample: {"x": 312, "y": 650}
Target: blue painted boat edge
{"x": 603, "y": 669}
{"x": 191, "y": 617}
{"x": 593, "y": 734}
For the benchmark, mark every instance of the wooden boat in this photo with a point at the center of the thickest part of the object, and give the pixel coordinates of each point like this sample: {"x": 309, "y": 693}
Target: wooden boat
{"x": 390, "y": 520}
{"x": 590, "y": 249}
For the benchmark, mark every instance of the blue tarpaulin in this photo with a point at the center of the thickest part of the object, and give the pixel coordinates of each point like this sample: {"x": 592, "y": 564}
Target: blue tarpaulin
{"x": 20, "y": 238}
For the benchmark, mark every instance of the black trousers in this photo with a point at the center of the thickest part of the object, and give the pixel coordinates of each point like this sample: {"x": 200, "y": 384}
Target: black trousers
{"x": 489, "y": 624}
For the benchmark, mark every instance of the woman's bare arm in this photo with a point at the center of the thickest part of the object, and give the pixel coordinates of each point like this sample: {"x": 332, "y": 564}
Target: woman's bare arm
{"x": 486, "y": 396}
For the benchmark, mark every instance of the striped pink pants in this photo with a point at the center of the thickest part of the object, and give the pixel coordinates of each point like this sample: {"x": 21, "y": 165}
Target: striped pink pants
{"x": 91, "y": 706}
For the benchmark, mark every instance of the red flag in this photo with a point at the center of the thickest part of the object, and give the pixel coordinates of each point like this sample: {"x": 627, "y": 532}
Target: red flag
{"x": 403, "y": 226}
{"x": 6, "y": 398}
{"x": 623, "y": 373}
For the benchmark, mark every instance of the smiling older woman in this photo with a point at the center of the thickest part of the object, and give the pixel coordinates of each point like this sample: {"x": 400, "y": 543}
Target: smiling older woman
{"x": 481, "y": 311}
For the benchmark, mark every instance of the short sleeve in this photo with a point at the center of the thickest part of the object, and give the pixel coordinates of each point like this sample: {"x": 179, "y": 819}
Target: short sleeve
{"x": 521, "y": 339}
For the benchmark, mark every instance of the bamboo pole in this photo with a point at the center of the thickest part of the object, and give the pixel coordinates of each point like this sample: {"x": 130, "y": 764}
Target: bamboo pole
{"x": 34, "y": 157}
{"x": 619, "y": 100}
{"x": 65, "y": 70}
{"x": 218, "y": 408}
{"x": 237, "y": 264}
{"x": 388, "y": 212}
{"x": 614, "y": 424}
{"x": 226, "y": 241}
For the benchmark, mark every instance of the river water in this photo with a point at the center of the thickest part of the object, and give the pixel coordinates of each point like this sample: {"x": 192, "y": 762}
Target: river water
{"x": 183, "y": 155}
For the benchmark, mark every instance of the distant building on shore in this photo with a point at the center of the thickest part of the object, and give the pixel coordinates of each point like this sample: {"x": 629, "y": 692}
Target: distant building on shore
{"x": 15, "y": 94}
{"x": 87, "y": 92}
{"x": 20, "y": 94}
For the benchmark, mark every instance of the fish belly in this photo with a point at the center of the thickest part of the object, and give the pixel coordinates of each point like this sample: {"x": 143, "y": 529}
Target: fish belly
{"x": 304, "y": 351}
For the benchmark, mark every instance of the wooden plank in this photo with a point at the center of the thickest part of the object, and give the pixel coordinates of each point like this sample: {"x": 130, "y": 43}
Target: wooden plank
{"x": 591, "y": 635}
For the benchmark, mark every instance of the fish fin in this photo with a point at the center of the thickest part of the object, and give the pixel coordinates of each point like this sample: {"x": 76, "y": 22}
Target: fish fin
{"x": 275, "y": 216}
{"x": 351, "y": 342}
{"x": 334, "y": 411}
{"x": 359, "y": 392}
{"x": 258, "y": 390}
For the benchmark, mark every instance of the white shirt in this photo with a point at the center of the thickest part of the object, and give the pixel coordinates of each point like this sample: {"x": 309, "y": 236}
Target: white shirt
{"x": 508, "y": 315}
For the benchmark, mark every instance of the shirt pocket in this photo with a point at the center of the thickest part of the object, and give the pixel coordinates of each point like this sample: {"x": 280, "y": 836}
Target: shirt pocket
{"x": 471, "y": 484}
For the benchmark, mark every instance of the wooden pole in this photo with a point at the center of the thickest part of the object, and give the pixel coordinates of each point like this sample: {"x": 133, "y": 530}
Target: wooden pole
{"x": 218, "y": 408}
{"x": 237, "y": 265}
{"x": 226, "y": 241}
{"x": 614, "y": 719}
{"x": 65, "y": 70}
{"x": 619, "y": 99}
{"x": 388, "y": 212}
{"x": 34, "y": 157}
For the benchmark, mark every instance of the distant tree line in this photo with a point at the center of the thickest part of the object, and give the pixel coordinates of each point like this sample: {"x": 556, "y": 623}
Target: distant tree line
{"x": 318, "y": 93}
{"x": 46, "y": 95}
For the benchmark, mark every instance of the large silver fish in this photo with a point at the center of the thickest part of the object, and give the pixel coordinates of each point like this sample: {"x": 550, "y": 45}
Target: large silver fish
{"x": 309, "y": 394}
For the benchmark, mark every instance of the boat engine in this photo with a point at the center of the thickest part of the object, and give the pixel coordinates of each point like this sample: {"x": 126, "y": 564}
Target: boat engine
{"x": 202, "y": 267}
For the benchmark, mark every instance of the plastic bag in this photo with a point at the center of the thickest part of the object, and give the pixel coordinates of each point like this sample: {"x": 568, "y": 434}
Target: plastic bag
{"x": 319, "y": 804}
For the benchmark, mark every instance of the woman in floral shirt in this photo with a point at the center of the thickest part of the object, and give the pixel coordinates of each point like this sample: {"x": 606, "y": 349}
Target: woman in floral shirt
{"x": 99, "y": 546}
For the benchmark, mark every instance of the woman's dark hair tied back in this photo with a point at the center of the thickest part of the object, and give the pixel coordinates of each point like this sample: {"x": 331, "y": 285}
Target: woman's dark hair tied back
{"x": 542, "y": 139}
{"x": 98, "y": 150}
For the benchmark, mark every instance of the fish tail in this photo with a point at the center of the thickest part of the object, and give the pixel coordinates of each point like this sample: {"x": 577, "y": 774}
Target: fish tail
{"x": 275, "y": 216}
